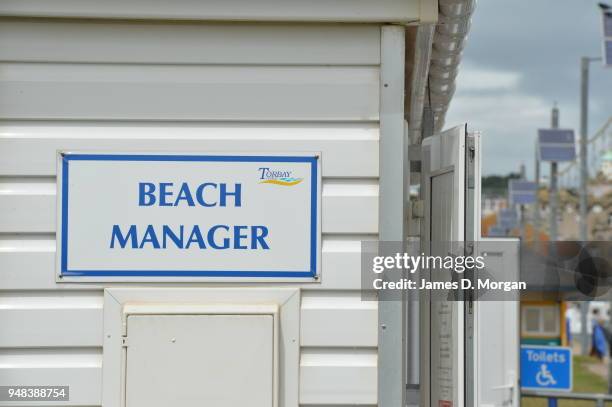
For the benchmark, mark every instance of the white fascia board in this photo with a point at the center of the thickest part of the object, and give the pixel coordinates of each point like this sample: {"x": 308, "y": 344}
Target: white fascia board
{"x": 365, "y": 11}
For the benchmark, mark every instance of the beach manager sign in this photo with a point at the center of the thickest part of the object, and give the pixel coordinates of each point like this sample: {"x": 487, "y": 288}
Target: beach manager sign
{"x": 169, "y": 216}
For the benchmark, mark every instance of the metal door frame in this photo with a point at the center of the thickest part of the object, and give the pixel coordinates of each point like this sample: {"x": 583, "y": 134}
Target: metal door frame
{"x": 464, "y": 161}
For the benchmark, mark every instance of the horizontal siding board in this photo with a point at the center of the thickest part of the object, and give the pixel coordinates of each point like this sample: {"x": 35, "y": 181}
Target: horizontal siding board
{"x": 27, "y": 213}
{"x": 61, "y": 322}
{"x": 170, "y": 92}
{"x": 22, "y": 328}
{"x": 85, "y": 382}
{"x": 341, "y": 319}
{"x": 332, "y": 378}
{"x": 30, "y": 40}
{"x": 360, "y": 214}
{"x": 340, "y": 270}
{"x": 338, "y": 385}
{"x": 238, "y": 10}
{"x": 345, "y": 214}
{"x": 31, "y": 150}
{"x": 348, "y": 381}
{"x": 33, "y": 267}
{"x": 33, "y": 319}
{"x": 81, "y": 371}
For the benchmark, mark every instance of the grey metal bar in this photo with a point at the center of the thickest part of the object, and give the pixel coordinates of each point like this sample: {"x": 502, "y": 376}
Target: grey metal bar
{"x": 584, "y": 179}
{"x": 584, "y": 169}
{"x": 553, "y": 198}
{"x": 536, "y": 210}
{"x": 563, "y": 395}
{"x": 584, "y": 134}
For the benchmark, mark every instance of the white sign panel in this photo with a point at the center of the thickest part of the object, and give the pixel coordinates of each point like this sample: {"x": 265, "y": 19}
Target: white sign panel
{"x": 149, "y": 216}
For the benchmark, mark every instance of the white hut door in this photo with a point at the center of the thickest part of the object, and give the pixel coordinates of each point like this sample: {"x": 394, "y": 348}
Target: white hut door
{"x": 450, "y": 190}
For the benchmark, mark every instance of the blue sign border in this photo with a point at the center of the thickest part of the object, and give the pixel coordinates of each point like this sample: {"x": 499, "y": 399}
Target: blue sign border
{"x": 67, "y": 157}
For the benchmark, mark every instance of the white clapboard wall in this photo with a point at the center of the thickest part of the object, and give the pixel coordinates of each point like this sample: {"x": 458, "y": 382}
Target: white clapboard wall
{"x": 184, "y": 86}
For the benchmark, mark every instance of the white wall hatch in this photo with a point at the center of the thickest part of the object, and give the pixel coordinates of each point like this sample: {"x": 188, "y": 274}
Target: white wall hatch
{"x": 188, "y": 347}
{"x": 200, "y": 360}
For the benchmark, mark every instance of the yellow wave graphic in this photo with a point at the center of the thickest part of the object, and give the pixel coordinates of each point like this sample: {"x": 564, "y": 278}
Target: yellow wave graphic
{"x": 279, "y": 182}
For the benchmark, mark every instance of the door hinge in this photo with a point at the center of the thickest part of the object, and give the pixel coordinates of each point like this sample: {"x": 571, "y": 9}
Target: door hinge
{"x": 417, "y": 209}
{"x": 124, "y": 341}
{"x": 471, "y": 156}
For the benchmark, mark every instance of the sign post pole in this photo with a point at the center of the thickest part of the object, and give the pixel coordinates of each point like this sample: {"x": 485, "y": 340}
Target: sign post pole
{"x": 520, "y": 193}
{"x": 536, "y": 209}
{"x": 584, "y": 170}
{"x": 584, "y": 130}
{"x": 584, "y": 180}
{"x": 553, "y": 198}
{"x": 523, "y": 232}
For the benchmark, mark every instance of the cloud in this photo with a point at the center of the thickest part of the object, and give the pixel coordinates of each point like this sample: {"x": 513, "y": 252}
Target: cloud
{"x": 478, "y": 79}
{"x": 508, "y": 121}
{"x": 521, "y": 57}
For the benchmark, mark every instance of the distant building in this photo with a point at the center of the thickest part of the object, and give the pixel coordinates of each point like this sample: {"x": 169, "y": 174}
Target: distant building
{"x": 606, "y": 165}
{"x": 493, "y": 204}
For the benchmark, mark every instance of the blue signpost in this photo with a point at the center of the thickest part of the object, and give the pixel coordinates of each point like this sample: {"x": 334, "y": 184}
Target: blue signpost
{"x": 546, "y": 368}
{"x": 497, "y": 231}
{"x": 522, "y": 192}
{"x": 507, "y": 218}
{"x": 556, "y": 145}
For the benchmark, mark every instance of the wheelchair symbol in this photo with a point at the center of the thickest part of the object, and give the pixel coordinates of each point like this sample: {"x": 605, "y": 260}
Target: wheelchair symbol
{"x": 544, "y": 377}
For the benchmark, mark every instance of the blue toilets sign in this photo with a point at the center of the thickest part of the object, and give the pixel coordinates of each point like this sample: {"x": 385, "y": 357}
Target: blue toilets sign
{"x": 546, "y": 368}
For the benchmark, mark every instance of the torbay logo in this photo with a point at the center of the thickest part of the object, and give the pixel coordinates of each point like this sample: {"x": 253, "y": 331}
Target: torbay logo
{"x": 278, "y": 177}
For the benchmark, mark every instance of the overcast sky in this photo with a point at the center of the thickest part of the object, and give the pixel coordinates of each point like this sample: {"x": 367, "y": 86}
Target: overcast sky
{"x": 520, "y": 57}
